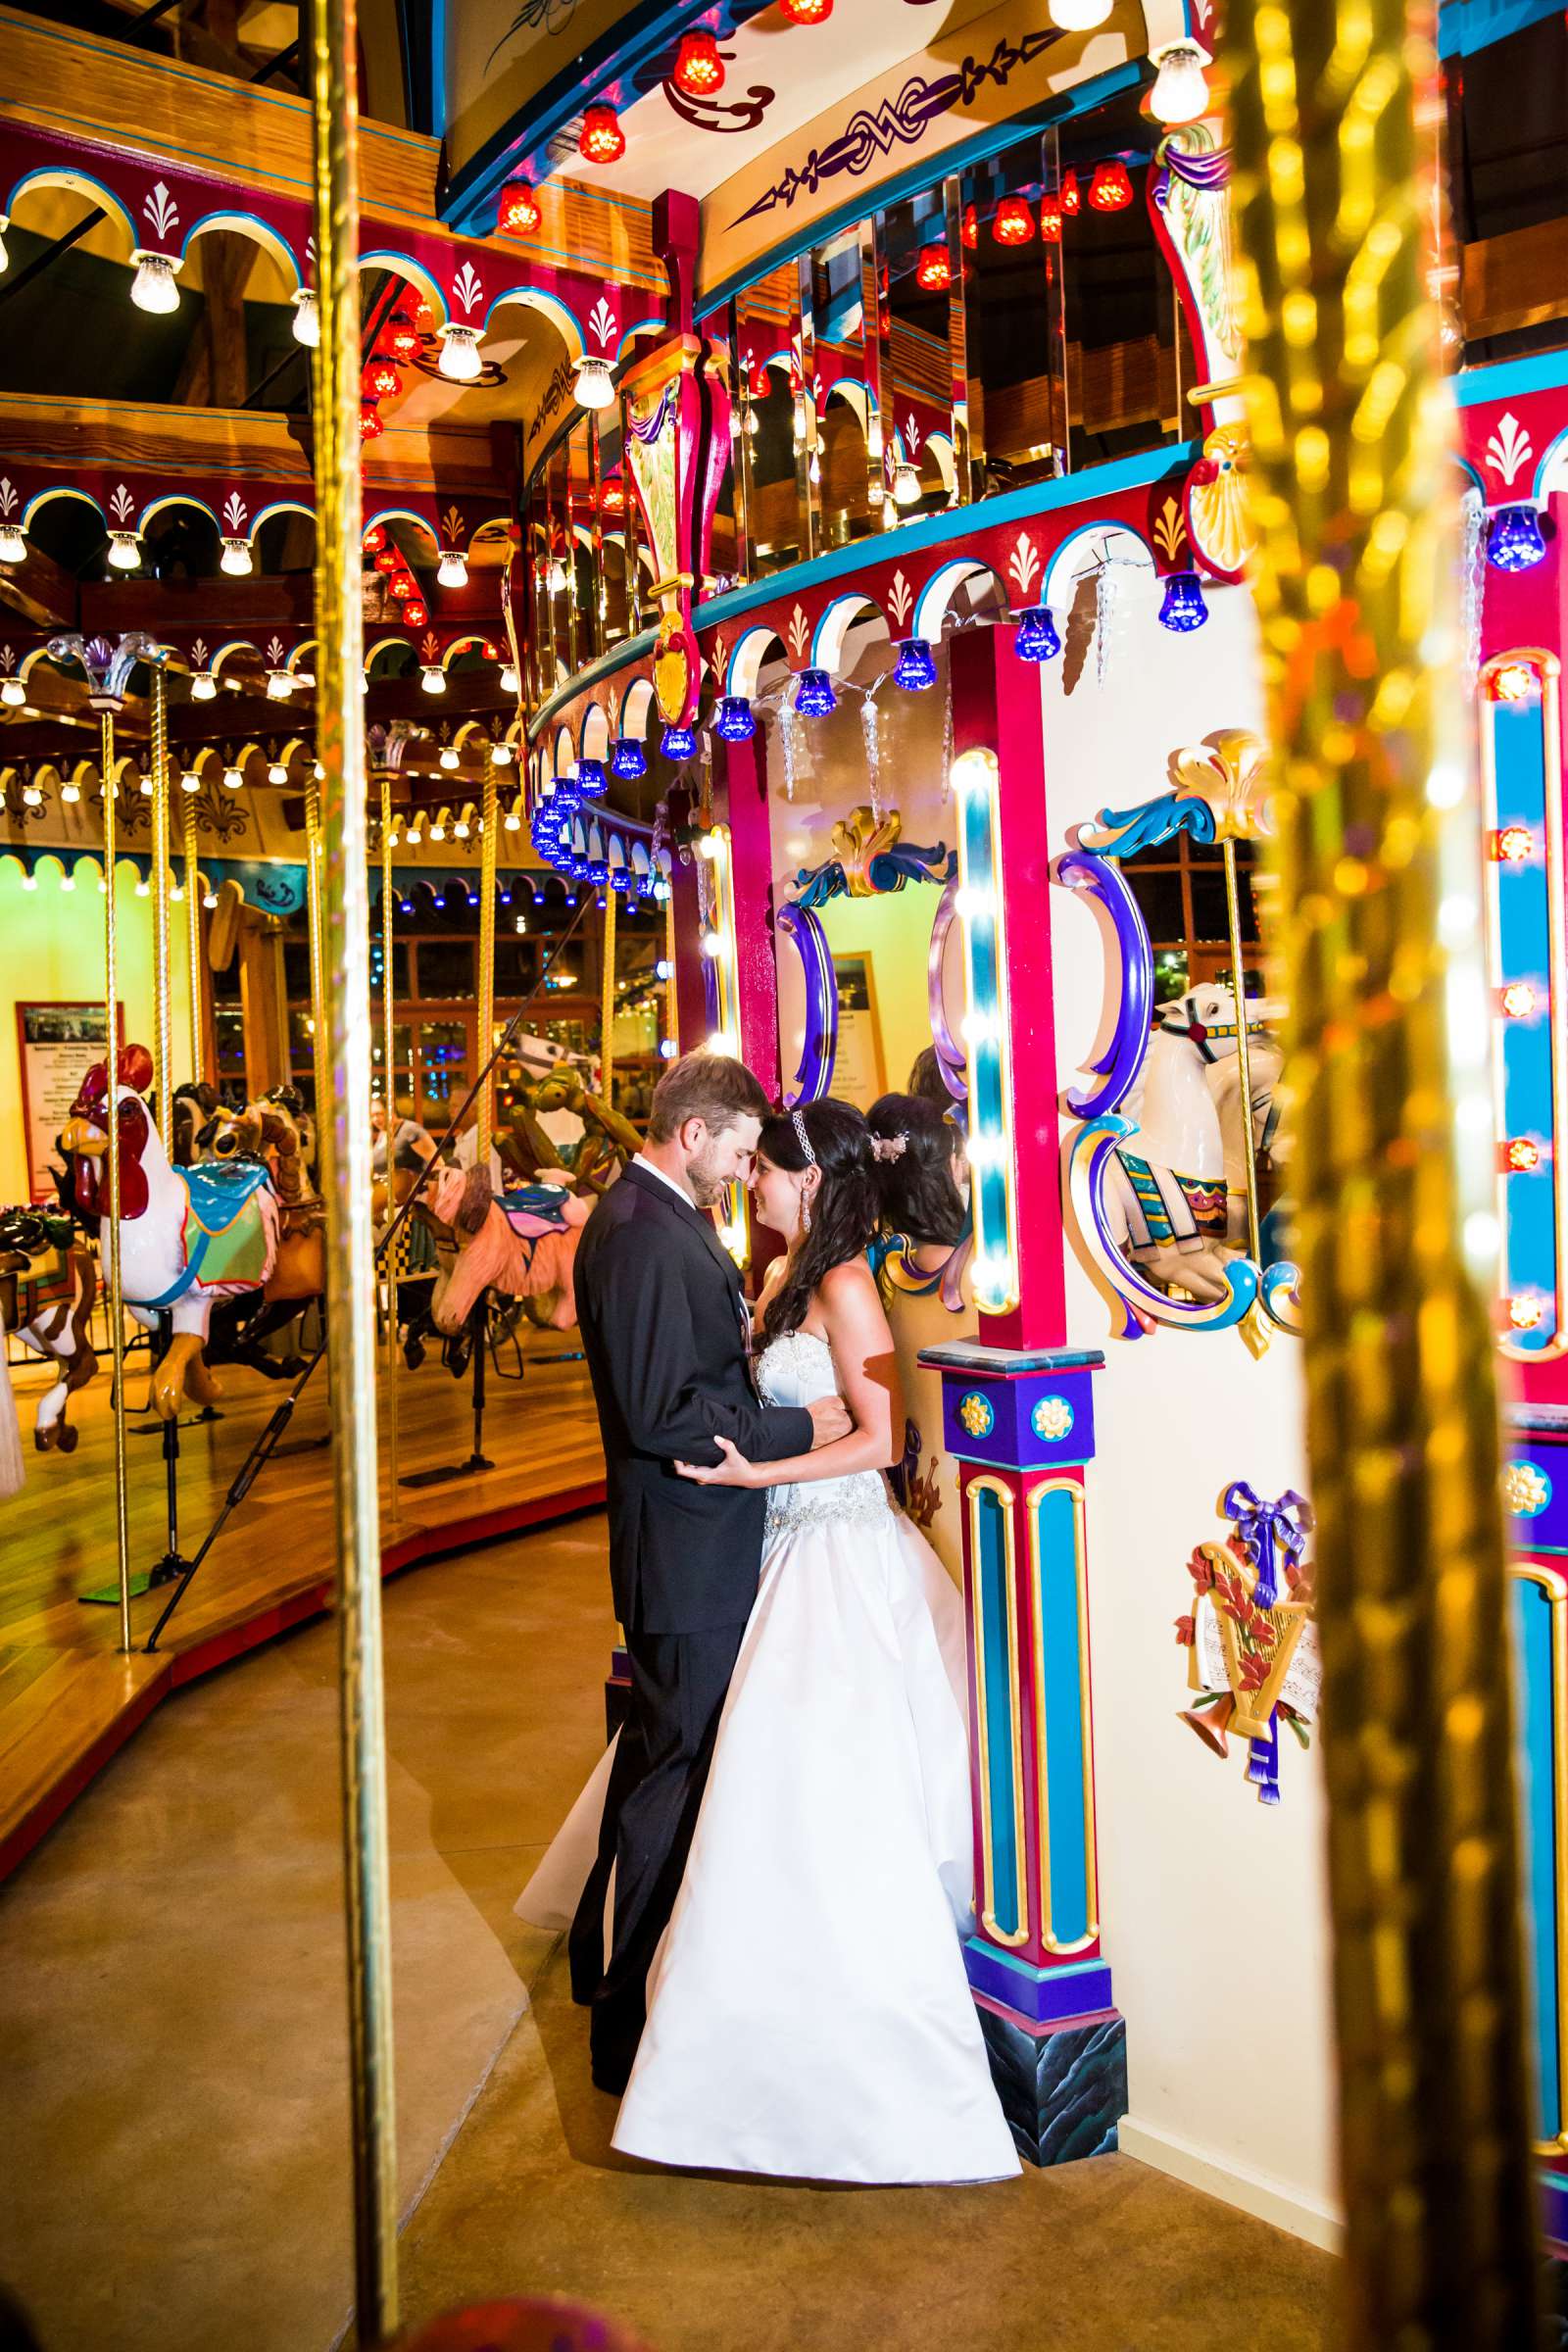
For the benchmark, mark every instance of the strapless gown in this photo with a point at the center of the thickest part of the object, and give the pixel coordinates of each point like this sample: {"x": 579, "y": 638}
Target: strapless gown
{"x": 809, "y": 2015}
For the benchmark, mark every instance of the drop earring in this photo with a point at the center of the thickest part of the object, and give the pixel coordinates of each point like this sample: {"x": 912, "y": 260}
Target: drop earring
{"x": 805, "y": 1211}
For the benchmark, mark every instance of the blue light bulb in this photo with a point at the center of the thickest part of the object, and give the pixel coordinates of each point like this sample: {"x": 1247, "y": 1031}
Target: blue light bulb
{"x": 628, "y": 760}
{"x": 1183, "y": 607}
{"x": 734, "y": 721}
{"x": 916, "y": 666}
{"x": 814, "y": 696}
{"x": 680, "y": 743}
{"x": 1513, "y": 539}
{"x": 1035, "y": 639}
{"x": 592, "y": 782}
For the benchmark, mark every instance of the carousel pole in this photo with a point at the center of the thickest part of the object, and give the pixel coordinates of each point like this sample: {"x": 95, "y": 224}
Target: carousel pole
{"x": 1377, "y": 851}
{"x": 321, "y": 1061}
{"x": 1244, "y": 1053}
{"x": 163, "y": 1046}
{"x": 389, "y": 1097}
{"x": 117, "y": 1293}
{"x": 607, "y": 1015}
{"x": 343, "y": 1127}
{"x": 193, "y": 941}
{"x": 489, "y": 832}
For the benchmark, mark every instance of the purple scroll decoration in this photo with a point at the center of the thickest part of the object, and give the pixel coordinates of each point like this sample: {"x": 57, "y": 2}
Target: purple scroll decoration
{"x": 820, "y": 1046}
{"x": 901, "y": 122}
{"x": 951, "y": 1060}
{"x": 1210, "y": 168}
{"x": 1123, "y": 1057}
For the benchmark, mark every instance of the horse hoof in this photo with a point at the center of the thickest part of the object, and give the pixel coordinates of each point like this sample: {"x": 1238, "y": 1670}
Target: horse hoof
{"x": 67, "y": 1440}
{"x": 43, "y": 1439}
{"x": 413, "y": 1354}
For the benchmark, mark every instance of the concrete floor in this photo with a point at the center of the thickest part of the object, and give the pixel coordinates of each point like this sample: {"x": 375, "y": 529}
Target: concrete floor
{"x": 172, "y": 2091}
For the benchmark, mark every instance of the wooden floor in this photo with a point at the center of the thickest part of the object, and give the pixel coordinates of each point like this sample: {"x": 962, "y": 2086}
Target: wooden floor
{"x": 69, "y": 1696}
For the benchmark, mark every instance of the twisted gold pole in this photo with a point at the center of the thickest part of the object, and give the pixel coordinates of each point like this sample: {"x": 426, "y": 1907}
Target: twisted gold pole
{"x": 163, "y": 1046}
{"x": 389, "y": 1097}
{"x": 343, "y": 1122}
{"x": 116, "y": 1289}
{"x": 321, "y": 1061}
{"x": 490, "y": 827}
{"x": 1376, "y": 857}
{"x": 606, "y": 1008}
{"x": 1244, "y": 1053}
{"x": 193, "y": 941}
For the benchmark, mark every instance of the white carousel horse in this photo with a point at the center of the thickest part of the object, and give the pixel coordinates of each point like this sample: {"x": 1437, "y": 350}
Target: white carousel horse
{"x": 187, "y": 1236}
{"x": 47, "y": 1289}
{"x": 1168, "y": 1196}
{"x": 1266, "y": 1059}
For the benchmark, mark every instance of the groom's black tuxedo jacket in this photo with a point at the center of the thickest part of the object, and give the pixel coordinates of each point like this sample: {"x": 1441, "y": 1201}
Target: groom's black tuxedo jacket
{"x": 665, "y": 1331}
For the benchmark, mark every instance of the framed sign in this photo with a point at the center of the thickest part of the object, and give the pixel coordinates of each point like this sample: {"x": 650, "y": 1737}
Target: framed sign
{"x": 57, "y": 1043}
{"x": 857, "y": 1066}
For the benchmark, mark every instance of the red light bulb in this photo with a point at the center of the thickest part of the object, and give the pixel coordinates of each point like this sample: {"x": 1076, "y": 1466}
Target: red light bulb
{"x": 1015, "y": 222}
{"x": 699, "y": 68}
{"x": 519, "y": 211}
{"x": 1110, "y": 190}
{"x": 601, "y": 139}
{"x": 933, "y": 271}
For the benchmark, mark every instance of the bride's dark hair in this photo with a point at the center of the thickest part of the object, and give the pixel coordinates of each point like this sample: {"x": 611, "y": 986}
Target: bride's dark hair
{"x": 914, "y": 1177}
{"x": 842, "y": 1211}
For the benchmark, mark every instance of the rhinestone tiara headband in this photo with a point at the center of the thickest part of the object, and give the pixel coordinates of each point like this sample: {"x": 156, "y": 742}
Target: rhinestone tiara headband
{"x": 802, "y": 1139}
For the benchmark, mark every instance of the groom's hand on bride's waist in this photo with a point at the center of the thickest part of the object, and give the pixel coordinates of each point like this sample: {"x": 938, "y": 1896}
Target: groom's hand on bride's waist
{"x": 830, "y": 1421}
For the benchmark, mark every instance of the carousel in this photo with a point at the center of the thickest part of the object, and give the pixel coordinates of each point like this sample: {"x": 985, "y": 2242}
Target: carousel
{"x": 1000, "y": 567}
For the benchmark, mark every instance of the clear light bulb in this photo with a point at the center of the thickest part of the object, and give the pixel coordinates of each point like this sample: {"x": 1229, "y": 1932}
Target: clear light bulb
{"x": 70, "y": 791}
{"x": 236, "y": 558}
{"x": 595, "y": 386}
{"x": 501, "y": 754}
{"x": 153, "y": 287}
{"x": 459, "y": 358}
{"x": 13, "y": 543}
{"x": 280, "y": 685}
{"x": 509, "y": 679}
{"x": 233, "y": 779}
{"x": 190, "y": 781}
{"x": 13, "y": 693}
{"x": 1079, "y": 16}
{"x": 433, "y": 678}
{"x": 124, "y": 554}
{"x": 203, "y": 687}
{"x": 307, "y": 318}
{"x": 905, "y": 484}
{"x": 1180, "y": 93}
{"x": 449, "y": 755}
{"x": 278, "y": 773}
{"x": 452, "y": 569}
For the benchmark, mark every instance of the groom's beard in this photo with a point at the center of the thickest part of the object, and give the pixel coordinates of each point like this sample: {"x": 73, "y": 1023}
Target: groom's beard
{"x": 706, "y": 1186}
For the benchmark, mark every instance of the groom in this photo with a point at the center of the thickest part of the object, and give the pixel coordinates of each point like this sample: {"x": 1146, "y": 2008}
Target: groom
{"x": 668, "y": 1336}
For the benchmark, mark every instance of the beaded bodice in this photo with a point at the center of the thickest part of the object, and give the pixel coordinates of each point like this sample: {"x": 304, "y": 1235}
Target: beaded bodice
{"x": 797, "y": 1369}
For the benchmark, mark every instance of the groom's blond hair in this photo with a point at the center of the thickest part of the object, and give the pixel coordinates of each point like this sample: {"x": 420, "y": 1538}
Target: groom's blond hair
{"x": 709, "y": 1087}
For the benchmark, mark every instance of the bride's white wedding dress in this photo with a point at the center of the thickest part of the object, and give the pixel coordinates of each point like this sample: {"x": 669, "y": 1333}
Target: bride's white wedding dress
{"x": 807, "y": 2011}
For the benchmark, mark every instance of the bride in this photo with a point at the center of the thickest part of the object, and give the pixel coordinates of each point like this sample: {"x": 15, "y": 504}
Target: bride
{"x": 808, "y": 2014}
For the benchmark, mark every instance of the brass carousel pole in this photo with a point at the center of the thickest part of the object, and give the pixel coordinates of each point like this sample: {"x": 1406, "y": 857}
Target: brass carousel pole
{"x": 117, "y": 1294}
{"x": 320, "y": 1060}
{"x": 1377, "y": 853}
{"x": 489, "y": 831}
{"x": 193, "y": 941}
{"x": 343, "y": 1122}
{"x": 1244, "y": 1054}
{"x": 389, "y": 1097}
{"x": 162, "y": 1043}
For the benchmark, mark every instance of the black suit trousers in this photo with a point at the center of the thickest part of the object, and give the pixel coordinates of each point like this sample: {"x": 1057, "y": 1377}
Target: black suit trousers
{"x": 678, "y": 1682}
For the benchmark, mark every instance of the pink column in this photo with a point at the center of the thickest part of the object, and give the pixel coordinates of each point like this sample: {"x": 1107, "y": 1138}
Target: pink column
{"x": 744, "y": 768}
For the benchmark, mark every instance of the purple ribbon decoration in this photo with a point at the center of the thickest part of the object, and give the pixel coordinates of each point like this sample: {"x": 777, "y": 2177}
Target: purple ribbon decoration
{"x": 1264, "y": 1764}
{"x": 1268, "y": 1530}
{"x": 1207, "y": 172}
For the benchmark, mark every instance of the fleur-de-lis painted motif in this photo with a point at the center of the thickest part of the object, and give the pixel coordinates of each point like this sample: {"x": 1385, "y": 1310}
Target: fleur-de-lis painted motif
{"x": 719, "y": 660}
{"x": 161, "y": 212}
{"x": 454, "y": 530}
{"x": 901, "y": 603}
{"x": 911, "y": 434}
{"x": 122, "y": 507}
{"x": 198, "y": 652}
{"x": 800, "y": 636}
{"x": 276, "y": 653}
{"x": 8, "y": 500}
{"x": 8, "y": 660}
{"x": 1510, "y": 448}
{"x": 234, "y": 514}
{"x": 1169, "y": 530}
{"x": 467, "y": 288}
{"x": 430, "y": 649}
{"x": 602, "y": 324}
{"x": 1023, "y": 567}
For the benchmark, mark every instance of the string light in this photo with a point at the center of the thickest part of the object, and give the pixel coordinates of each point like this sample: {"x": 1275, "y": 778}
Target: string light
{"x": 1183, "y": 607}
{"x": 236, "y": 558}
{"x": 519, "y": 211}
{"x": 153, "y": 287}
{"x": 699, "y": 68}
{"x": 933, "y": 271}
{"x": 203, "y": 687}
{"x": 814, "y": 696}
{"x": 734, "y": 720}
{"x": 459, "y": 359}
{"x": 1036, "y": 639}
{"x": 915, "y": 669}
{"x": 13, "y": 543}
{"x": 125, "y": 552}
{"x": 307, "y": 318}
{"x": 1015, "y": 222}
{"x": 601, "y": 139}
{"x": 1180, "y": 93}
{"x": 595, "y": 386}
{"x": 452, "y": 569}
{"x": 1110, "y": 190}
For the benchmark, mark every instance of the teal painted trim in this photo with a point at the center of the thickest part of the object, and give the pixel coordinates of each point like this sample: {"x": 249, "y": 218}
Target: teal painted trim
{"x": 605, "y": 668}
{"x": 1095, "y": 482}
{"x": 1059, "y": 1972}
{"x": 925, "y": 171}
{"x": 1055, "y": 1534}
{"x": 1466, "y": 25}
{"x": 1542, "y": 1896}
{"x": 1001, "y": 1701}
{"x": 1506, "y": 379}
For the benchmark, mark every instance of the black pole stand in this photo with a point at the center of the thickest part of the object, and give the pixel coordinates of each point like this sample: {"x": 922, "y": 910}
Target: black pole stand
{"x": 266, "y": 1444}
{"x": 478, "y": 1338}
{"x": 172, "y": 1564}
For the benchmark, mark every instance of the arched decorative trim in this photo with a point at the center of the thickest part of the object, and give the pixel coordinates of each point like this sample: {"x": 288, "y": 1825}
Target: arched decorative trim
{"x": 176, "y": 497}
{"x": 560, "y": 314}
{"x": 386, "y": 645}
{"x": 283, "y": 506}
{"x": 940, "y": 446}
{"x": 935, "y": 600}
{"x": 77, "y": 184}
{"x": 1072, "y": 559}
{"x": 854, "y": 396}
{"x": 233, "y": 645}
{"x": 746, "y": 662}
{"x": 834, "y": 626}
{"x": 1550, "y": 475}
{"x": 259, "y": 235}
{"x": 413, "y": 274}
{"x": 638, "y": 326}
{"x": 565, "y": 751}
{"x": 635, "y": 705}
{"x": 43, "y": 498}
{"x": 594, "y": 739}
{"x": 421, "y": 522}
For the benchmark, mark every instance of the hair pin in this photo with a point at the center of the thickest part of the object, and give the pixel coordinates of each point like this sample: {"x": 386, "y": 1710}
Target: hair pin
{"x": 890, "y": 1147}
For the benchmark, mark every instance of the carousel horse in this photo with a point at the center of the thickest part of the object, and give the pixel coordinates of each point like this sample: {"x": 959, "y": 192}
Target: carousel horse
{"x": 194, "y": 1109}
{"x": 1169, "y": 1196}
{"x": 47, "y": 1289}
{"x": 269, "y": 1132}
{"x": 187, "y": 1236}
{"x": 608, "y": 1140}
{"x": 523, "y": 1245}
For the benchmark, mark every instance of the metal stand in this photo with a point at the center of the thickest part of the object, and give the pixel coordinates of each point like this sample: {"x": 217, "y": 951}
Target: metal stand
{"x": 478, "y": 1339}
{"x": 173, "y": 1563}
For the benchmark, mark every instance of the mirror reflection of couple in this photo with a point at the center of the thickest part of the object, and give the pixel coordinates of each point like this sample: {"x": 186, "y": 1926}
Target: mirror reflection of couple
{"x": 782, "y": 1832}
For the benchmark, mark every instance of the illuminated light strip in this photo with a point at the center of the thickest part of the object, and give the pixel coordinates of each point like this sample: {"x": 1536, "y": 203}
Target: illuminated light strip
{"x": 1542, "y": 1698}
{"x": 980, "y": 1489}
{"x": 988, "y": 1031}
{"x": 1521, "y": 774}
{"x": 1037, "y": 1501}
{"x": 721, "y": 977}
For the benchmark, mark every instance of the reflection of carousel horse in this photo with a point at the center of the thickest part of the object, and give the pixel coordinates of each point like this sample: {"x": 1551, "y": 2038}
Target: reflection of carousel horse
{"x": 267, "y": 1131}
{"x": 187, "y": 1236}
{"x": 1266, "y": 1061}
{"x": 608, "y": 1140}
{"x": 1172, "y": 1191}
{"x": 523, "y": 1245}
{"x": 47, "y": 1290}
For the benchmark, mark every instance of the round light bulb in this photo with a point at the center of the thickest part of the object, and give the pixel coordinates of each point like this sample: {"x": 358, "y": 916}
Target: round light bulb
{"x": 236, "y": 558}
{"x": 595, "y": 386}
{"x": 14, "y": 693}
{"x": 71, "y": 792}
{"x": 190, "y": 781}
{"x": 1079, "y": 16}
{"x": 452, "y": 569}
{"x": 203, "y": 687}
{"x": 433, "y": 678}
{"x": 460, "y": 358}
{"x": 13, "y": 543}
{"x": 125, "y": 555}
{"x": 278, "y": 773}
{"x": 449, "y": 755}
{"x": 280, "y": 685}
{"x": 307, "y": 318}
{"x": 1180, "y": 93}
{"x": 509, "y": 680}
{"x": 233, "y": 779}
{"x": 153, "y": 287}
